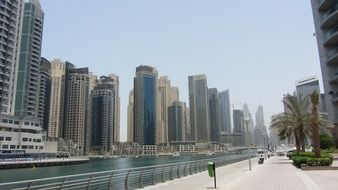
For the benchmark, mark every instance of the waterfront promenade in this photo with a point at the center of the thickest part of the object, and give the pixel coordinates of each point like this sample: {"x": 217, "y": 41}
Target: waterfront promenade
{"x": 276, "y": 173}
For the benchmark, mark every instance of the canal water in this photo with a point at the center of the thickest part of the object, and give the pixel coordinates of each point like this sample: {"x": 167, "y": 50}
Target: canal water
{"x": 94, "y": 165}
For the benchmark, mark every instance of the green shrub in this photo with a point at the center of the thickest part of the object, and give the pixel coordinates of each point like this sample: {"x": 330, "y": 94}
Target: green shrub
{"x": 319, "y": 162}
{"x": 327, "y": 141}
{"x": 299, "y": 160}
{"x": 305, "y": 154}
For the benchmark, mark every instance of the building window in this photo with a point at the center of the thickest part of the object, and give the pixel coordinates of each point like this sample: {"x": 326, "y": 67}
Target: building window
{"x": 2, "y": 138}
{"x": 10, "y": 121}
{"x": 5, "y": 146}
{"x": 26, "y": 123}
{"x": 16, "y": 122}
{"x": 5, "y": 120}
{"x": 24, "y": 147}
{"x": 8, "y": 138}
{"x": 12, "y": 147}
{"x": 24, "y": 139}
{"x": 31, "y": 147}
{"x": 38, "y": 140}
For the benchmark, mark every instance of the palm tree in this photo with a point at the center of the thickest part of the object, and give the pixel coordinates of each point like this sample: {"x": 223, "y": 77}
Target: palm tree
{"x": 314, "y": 124}
{"x": 296, "y": 121}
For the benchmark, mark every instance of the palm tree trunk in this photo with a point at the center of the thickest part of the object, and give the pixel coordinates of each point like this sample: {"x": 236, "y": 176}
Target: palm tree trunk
{"x": 297, "y": 142}
{"x": 315, "y": 133}
{"x": 301, "y": 139}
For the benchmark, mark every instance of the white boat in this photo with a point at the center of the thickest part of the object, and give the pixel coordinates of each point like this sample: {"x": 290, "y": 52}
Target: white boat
{"x": 176, "y": 154}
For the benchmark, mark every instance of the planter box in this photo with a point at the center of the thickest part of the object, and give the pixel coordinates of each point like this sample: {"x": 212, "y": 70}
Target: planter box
{"x": 307, "y": 168}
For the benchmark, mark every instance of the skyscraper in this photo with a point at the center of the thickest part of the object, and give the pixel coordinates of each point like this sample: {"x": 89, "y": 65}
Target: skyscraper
{"x": 325, "y": 20}
{"x": 145, "y": 105}
{"x": 11, "y": 13}
{"x": 130, "y": 119}
{"x": 116, "y": 81}
{"x": 214, "y": 115}
{"x": 27, "y": 95}
{"x": 77, "y": 109}
{"x": 102, "y": 115}
{"x": 199, "y": 108}
{"x": 176, "y": 122}
{"x": 44, "y": 93}
{"x": 261, "y": 134}
{"x": 163, "y": 103}
{"x": 224, "y": 111}
{"x": 238, "y": 121}
{"x": 166, "y": 96}
{"x": 57, "y": 71}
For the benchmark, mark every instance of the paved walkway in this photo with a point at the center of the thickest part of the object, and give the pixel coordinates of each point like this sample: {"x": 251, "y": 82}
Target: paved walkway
{"x": 275, "y": 174}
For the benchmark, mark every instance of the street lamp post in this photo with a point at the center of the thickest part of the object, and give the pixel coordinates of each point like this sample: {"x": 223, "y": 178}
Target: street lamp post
{"x": 247, "y": 120}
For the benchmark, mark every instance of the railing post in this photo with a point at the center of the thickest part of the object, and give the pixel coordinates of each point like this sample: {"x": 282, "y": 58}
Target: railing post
{"x": 89, "y": 181}
{"x": 170, "y": 173}
{"x": 63, "y": 182}
{"x": 29, "y": 185}
{"x": 162, "y": 175}
{"x": 178, "y": 171}
{"x": 110, "y": 184}
{"x": 184, "y": 173}
{"x": 190, "y": 169}
{"x": 126, "y": 181}
{"x": 141, "y": 180}
{"x": 153, "y": 176}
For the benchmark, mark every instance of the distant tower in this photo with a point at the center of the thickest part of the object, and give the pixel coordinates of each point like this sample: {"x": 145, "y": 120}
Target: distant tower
{"x": 77, "y": 108}
{"x": 176, "y": 122}
{"x": 44, "y": 93}
{"x": 238, "y": 121}
{"x": 214, "y": 115}
{"x": 224, "y": 111}
{"x": 145, "y": 105}
{"x": 57, "y": 71}
{"x": 199, "y": 108}
{"x": 130, "y": 119}
{"x": 27, "y": 92}
{"x": 102, "y": 113}
{"x": 12, "y": 15}
{"x": 116, "y": 81}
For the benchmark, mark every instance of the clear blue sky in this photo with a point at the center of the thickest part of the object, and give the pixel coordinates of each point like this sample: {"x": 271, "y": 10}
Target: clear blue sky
{"x": 257, "y": 49}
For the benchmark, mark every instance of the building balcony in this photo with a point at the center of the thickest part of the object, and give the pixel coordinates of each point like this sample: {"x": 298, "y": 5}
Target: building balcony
{"x": 330, "y": 17}
{"x": 334, "y": 79}
{"x": 325, "y": 4}
{"x": 332, "y": 36}
{"x": 332, "y": 57}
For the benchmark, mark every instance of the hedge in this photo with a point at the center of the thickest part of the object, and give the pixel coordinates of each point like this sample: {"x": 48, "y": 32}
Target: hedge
{"x": 319, "y": 162}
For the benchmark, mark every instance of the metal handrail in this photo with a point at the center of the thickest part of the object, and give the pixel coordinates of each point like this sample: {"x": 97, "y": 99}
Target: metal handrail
{"x": 130, "y": 178}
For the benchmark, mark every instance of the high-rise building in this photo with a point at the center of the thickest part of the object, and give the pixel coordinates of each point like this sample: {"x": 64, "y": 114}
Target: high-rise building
{"x": 102, "y": 115}
{"x": 145, "y": 105}
{"x": 130, "y": 117}
{"x": 199, "y": 108}
{"x": 64, "y": 103}
{"x": 238, "y": 118}
{"x": 176, "y": 122}
{"x": 325, "y": 20}
{"x": 77, "y": 108}
{"x": 57, "y": 72}
{"x": 187, "y": 125}
{"x": 116, "y": 81}
{"x": 11, "y": 14}
{"x": 166, "y": 96}
{"x": 261, "y": 134}
{"x": 27, "y": 90}
{"x": 44, "y": 93}
{"x": 249, "y": 125}
{"x": 214, "y": 115}
{"x": 164, "y": 101}
{"x": 224, "y": 111}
